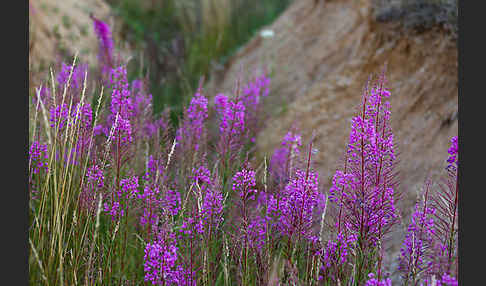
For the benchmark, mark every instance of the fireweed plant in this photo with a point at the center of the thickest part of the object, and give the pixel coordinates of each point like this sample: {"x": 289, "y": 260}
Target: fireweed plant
{"x": 363, "y": 193}
{"x": 429, "y": 251}
{"x": 120, "y": 197}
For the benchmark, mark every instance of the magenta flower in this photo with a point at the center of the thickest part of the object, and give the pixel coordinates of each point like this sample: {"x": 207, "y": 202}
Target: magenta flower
{"x": 232, "y": 115}
{"x": 191, "y": 133}
{"x": 95, "y": 176}
{"x": 122, "y": 198}
{"x": 209, "y": 213}
{"x": 296, "y": 207}
{"x": 38, "y": 157}
{"x": 121, "y": 101}
{"x": 114, "y": 210}
{"x": 257, "y": 230}
{"x": 105, "y": 54}
{"x": 77, "y": 77}
{"x": 284, "y": 156}
{"x": 123, "y": 130}
{"x": 58, "y": 114}
{"x": 118, "y": 122}
{"x": 445, "y": 201}
{"x": 192, "y": 226}
{"x": 244, "y": 183}
{"x": 254, "y": 90}
{"x": 444, "y": 280}
{"x": 128, "y": 188}
{"x": 63, "y": 75}
{"x": 162, "y": 265}
{"x": 418, "y": 241}
{"x": 152, "y": 127}
{"x": 453, "y": 152}
{"x": 95, "y": 180}
{"x": 448, "y": 280}
{"x": 212, "y": 209}
{"x": 143, "y": 124}
{"x": 231, "y": 125}
{"x": 151, "y": 169}
{"x": 201, "y": 176}
{"x": 335, "y": 254}
{"x": 37, "y": 162}
{"x": 141, "y": 104}
{"x": 151, "y": 204}
{"x": 364, "y": 190}
{"x": 159, "y": 263}
{"x": 172, "y": 202}
{"x": 251, "y": 98}
{"x": 253, "y": 226}
{"x": 372, "y": 281}
{"x": 85, "y": 114}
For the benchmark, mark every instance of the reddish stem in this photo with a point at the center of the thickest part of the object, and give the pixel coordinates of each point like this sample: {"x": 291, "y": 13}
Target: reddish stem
{"x": 451, "y": 235}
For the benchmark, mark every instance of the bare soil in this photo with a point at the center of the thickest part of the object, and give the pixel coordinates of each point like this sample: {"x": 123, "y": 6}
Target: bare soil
{"x": 60, "y": 29}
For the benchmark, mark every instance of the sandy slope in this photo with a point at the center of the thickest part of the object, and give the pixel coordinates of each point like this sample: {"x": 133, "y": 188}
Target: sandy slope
{"x": 63, "y": 28}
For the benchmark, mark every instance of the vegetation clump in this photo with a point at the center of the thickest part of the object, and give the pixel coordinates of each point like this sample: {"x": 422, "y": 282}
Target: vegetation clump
{"x": 119, "y": 197}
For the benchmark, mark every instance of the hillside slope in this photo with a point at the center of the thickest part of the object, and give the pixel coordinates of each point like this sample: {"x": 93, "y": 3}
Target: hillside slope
{"x": 321, "y": 59}
{"x": 59, "y": 30}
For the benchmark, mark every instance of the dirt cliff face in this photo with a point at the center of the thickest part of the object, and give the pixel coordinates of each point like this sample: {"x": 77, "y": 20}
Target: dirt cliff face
{"x": 321, "y": 58}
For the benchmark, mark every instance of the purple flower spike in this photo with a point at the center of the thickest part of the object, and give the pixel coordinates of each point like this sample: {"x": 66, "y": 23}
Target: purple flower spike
{"x": 448, "y": 280}
{"x": 121, "y": 101}
{"x": 95, "y": 180}
{"x": 297, "y": 203}
{"x": 243, "y": 183}
{"x": 231, "y": 125}
{"x": 453, "y": 152}
{"x": 372, "y": 281}
{"x": 122, "y": 198}
{"x": 210, "y": 212}
{"x": 38, "y": 157}
{"x": 192, "y": 130}
{"x": 162, "y": 265}
{"x": 418, "y": 241}
{"x": 336, "y": 252}
{"x": 105, "y": 54}
{"x": 364, "y": 191}
{"x": 282, "y": 157}
{"x": 160, "y": 259}
{"x": 77, "y": 77}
